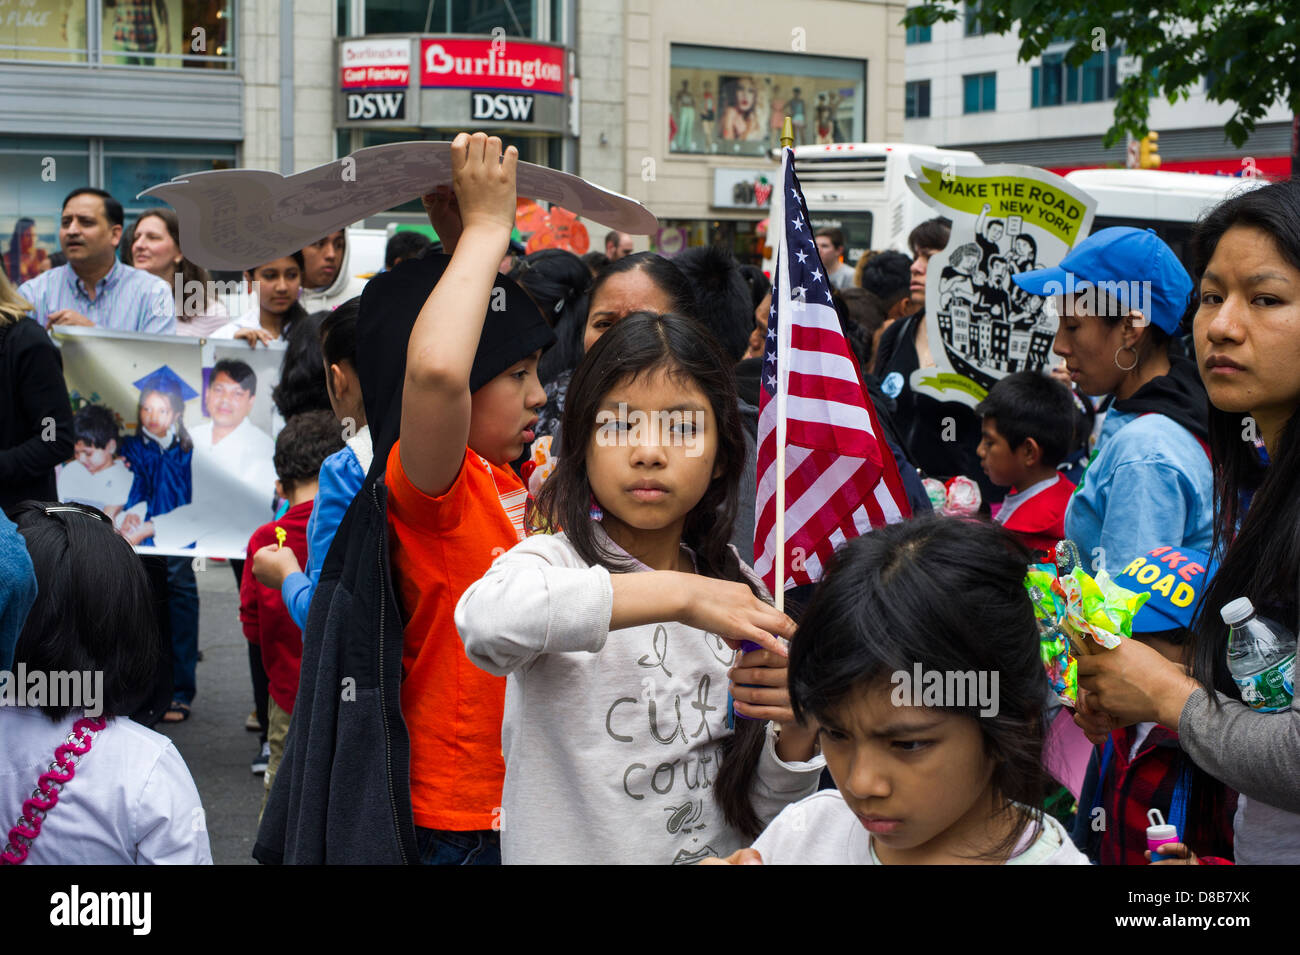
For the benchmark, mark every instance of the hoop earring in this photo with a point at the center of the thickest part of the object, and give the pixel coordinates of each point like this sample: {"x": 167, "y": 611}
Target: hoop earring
{"x": 1135, "y": 358}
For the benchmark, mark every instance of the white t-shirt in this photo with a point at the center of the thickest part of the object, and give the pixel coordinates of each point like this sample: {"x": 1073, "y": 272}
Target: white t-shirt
{"x": 234, "y": 487}
{"x": 105, "y": 488}
{"x": 612, "y": 740}
{"x": 131, "y": 802}
{"x": 822, "y": 830}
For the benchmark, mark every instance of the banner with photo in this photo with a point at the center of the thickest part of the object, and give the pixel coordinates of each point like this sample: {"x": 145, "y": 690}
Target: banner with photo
{"x": 175, "y": 437}
{"x": 1005, "y": 219}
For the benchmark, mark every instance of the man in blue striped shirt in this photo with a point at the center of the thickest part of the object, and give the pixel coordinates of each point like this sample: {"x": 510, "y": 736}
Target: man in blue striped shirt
{"x": 94, "y": 288}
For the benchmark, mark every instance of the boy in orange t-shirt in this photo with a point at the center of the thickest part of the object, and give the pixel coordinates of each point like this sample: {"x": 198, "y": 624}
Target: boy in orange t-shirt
{"x": 469, "y": 401}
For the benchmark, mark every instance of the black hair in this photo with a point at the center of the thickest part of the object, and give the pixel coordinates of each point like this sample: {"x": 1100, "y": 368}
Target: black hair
{"x": 406, "y": 244}
{"x": 14, "y": 257}
{"x": 1033, "y": 245}
{"x": 1029, "y": 405}
{"x": 191, "y": 273}
{"x": 237, "y": 371}
{"x": 998, "y": 258}
{"x": 94, "y": 610}
{"x": 992, "y": 222}
{"x": 835, "y": 235}
{"x": 301, "y": 387}
{"x": 877, "y": 611}
{"x": 338, "y": 333}
{"x": 858, "y": 338}
{"x": 595, "y": 261}
{"x": 112, "y": 208}
{"x": 557, "y": 281}
{"x": 888, "y": 274}
{"x": 759, "y": 285}
{"x": 173, "y": 396}
{"x": 863, "y": 314}
{"x": 302, "y": 446}
{"x": 1258, "y": 549}
{"x": 95, "y": 425}
{"x": 665, "y": 275}
{"x": 295, "y": 312}
{"x": 931, "y": 234}
{"x": 722, "y": 297}
{"x": 641, "y": 344}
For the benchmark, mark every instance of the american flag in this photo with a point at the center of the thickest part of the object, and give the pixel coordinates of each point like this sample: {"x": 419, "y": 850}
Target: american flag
{"x": 840, "y": 476}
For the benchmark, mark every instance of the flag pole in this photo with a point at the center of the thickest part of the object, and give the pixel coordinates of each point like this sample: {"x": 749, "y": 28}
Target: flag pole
{"x": 782, "y": 285}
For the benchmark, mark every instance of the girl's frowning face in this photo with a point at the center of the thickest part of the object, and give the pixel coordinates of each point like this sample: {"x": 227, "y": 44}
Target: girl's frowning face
{"x": 917, "y": 778}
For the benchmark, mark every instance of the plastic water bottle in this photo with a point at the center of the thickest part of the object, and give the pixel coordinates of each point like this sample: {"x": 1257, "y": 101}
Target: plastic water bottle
{"x": 1261, "y": 657}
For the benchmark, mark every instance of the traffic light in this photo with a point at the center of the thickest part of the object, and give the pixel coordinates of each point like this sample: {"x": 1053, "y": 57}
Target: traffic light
{"x": 1148, "y": 155}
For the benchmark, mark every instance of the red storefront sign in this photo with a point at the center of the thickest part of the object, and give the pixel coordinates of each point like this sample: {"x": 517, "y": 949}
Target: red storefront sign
{"x": 1267, "y": 167}
{"x": 492, "y": 65}
{"x": 374, "y": 64}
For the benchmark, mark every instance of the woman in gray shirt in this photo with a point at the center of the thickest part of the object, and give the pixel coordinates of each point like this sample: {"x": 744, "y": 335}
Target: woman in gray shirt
{"x": 1247, "y": 336}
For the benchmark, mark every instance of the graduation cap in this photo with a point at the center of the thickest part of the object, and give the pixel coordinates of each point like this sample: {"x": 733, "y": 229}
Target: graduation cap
{"x": 165, "y": 380}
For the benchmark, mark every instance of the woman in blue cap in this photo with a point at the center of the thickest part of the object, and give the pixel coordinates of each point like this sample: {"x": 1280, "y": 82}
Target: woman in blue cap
{"x": 1121, "y": 294}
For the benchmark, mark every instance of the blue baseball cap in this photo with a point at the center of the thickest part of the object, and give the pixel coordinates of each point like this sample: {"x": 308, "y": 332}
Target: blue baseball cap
{"x": 1173, "y": 579}
{"x": 1132, "y": 267}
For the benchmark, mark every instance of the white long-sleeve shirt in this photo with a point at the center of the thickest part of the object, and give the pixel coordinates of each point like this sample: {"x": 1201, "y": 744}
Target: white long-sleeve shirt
{"x": 611, "y": 739}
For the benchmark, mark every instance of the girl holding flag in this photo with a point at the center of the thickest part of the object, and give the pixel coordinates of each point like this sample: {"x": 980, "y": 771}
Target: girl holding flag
{"x": 618, "y": 633}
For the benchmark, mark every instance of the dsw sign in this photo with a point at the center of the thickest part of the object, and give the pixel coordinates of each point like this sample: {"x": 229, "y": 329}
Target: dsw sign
{"x": 376, "y": 105}
{"x": 502, "y": 106}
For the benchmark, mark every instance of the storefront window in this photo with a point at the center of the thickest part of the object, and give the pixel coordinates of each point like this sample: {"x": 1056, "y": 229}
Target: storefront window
{"x": 131, "y": 166}
{"x": 35, "y": 176}
{"x": 733, "y": 102}
{"x": 170, "y": 33}
{"x": 51, "y": 30}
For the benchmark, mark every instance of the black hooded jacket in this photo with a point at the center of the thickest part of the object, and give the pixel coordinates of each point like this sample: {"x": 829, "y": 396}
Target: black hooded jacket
{"x": 1179, "y": 396}
{"x": 342, "y": 792}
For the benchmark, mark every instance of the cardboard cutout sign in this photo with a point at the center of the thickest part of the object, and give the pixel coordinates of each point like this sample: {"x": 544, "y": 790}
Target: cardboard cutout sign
{"x": 1005, "y": 219}
{"x": 234, "y": 219}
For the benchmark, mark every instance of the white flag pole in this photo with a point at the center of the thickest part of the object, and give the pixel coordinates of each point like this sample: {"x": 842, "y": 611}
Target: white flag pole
{"x": 781, "y": 287}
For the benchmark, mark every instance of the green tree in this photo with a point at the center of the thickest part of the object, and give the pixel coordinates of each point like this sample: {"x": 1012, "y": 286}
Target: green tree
{"x": 1248, "y": 51}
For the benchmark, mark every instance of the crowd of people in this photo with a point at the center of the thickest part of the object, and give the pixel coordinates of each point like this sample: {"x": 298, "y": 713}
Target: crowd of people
{"x": 477, "y": 580}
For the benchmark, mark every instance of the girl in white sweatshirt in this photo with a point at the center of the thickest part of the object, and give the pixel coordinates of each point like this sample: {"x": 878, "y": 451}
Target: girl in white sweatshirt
{"x": 918, "y": 657}
{"x": 619, "y": 633}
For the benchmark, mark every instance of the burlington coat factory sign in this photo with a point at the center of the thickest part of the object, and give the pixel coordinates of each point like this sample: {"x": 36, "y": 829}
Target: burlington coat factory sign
{"x": 457, "y": 82}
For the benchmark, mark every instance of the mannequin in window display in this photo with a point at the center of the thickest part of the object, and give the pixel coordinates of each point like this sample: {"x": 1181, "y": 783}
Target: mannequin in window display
{"x": 777, "y": 116}
{"x": 798, "y": 118}
{"x": 707, "y": 117}
{"x": 824, "y": 116}
{"x": 140, "y": 26}
{"x": 684, "y": 104}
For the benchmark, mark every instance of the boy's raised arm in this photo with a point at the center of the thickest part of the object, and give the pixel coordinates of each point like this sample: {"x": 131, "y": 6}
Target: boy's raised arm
{"x": 440, "y": 353}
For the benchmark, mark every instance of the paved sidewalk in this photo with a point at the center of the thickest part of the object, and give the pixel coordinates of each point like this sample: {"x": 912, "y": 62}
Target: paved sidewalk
{"x": 213, "y": 741}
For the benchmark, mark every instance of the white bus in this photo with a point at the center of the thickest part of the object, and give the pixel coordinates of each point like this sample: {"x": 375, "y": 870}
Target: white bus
{"x": 859, "y": 188}
{"x": 1168, "y": 202}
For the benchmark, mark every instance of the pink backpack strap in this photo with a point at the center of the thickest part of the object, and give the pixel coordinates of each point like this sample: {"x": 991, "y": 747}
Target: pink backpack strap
{"x": 51, "y": 782}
